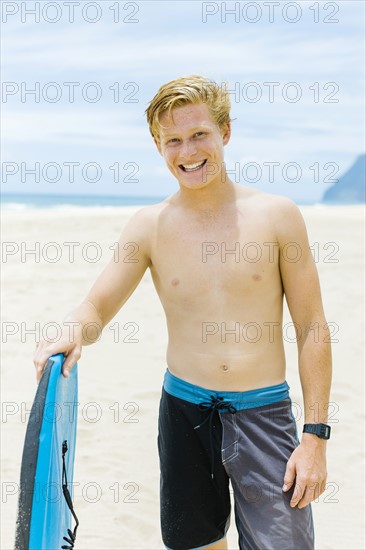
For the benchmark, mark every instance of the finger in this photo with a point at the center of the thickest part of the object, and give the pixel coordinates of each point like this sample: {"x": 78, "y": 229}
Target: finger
{"x": 297, "y": 494}
{"x": 313, "y": 491}
{"x": 41, "y": 361}
{"x": 40, "y": 366}
{"x": 289, "y": 477}
{"x": 38, "y": 357}
{"x": 70, "y": 361}
{"x": 308, "y": 496}
{"x": 317, "y": 491}
{"x": 39, "y": 374}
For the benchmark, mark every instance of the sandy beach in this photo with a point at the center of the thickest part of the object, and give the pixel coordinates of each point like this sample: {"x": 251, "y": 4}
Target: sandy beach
{"x": 116, "y": 492}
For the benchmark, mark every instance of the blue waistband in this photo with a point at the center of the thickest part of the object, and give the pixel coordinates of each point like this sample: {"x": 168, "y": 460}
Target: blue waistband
{"x": 240, "y": 400}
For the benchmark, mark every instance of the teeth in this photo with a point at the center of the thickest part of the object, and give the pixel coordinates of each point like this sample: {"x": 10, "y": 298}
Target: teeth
{"x": 190, "y": 167}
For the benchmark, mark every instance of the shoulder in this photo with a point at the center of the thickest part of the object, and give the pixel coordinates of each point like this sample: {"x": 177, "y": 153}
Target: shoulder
{"x": 271, "y": 204}
{"x": 281, "y": 212}
{"x": 287, "y": 220}
{"x": 146, "y": 217}
{"x": 142, "y": 226}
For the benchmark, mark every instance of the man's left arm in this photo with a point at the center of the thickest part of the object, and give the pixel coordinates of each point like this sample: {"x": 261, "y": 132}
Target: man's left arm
{"x": 306, "y": 467}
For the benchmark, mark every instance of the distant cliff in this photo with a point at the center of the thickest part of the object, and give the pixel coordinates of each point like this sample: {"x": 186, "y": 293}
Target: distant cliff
{"x": 350, "y": 188}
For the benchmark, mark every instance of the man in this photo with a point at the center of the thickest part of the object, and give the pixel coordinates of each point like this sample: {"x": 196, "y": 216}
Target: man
{"x": 222, "y": 256}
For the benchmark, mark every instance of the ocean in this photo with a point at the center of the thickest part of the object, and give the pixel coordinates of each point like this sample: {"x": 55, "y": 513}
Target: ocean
{"x": 23, "y": 201}
{"x": 13, "y": 201}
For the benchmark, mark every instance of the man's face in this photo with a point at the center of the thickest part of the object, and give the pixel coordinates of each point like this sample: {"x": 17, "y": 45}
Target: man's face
{"x": 193, "y": 145}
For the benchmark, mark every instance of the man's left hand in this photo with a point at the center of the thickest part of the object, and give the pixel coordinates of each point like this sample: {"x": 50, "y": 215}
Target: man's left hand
{"x": 307, "y": 465}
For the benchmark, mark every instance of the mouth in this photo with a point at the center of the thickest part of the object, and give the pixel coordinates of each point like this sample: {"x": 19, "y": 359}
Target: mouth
{"x": 192, "y": 167}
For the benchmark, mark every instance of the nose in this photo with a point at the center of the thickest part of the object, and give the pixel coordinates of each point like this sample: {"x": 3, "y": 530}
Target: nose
{"x": 188, "y": 149}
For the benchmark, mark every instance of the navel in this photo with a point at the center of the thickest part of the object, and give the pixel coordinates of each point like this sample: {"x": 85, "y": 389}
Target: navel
{"x": 225, "y": 368}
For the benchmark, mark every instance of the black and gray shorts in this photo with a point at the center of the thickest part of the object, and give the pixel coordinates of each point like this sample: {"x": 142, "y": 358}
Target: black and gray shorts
{"x": 207, "y": 438}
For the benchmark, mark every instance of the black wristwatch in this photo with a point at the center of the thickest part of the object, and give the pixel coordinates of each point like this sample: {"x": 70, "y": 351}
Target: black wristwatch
{"x": 321, "y": 430}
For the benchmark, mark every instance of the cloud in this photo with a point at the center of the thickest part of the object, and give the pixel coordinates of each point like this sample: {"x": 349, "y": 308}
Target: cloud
{"x": 144, "y": 50}
{"x": 100, "y": 129}
{"x": 170, "y": 40}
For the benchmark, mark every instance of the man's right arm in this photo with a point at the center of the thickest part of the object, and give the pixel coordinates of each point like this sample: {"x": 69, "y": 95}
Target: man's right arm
{"x": 110, "y": 291}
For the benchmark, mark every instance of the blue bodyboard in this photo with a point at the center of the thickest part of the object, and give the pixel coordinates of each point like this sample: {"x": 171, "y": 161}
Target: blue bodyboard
{"x": 44, "y": 516}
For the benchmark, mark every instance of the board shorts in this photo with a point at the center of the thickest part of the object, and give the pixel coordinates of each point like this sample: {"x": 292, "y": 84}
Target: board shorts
{"x": 207, "y": 438}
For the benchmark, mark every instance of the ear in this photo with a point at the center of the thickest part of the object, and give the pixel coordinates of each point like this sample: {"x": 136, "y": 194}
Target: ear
{"x": 226, "y": 133}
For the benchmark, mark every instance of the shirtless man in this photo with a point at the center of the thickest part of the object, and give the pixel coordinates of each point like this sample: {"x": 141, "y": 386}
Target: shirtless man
{"x": 222, "y": 256}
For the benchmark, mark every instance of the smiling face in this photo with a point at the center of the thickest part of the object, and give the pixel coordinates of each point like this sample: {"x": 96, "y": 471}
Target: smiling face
{"x": 193, "y": 145}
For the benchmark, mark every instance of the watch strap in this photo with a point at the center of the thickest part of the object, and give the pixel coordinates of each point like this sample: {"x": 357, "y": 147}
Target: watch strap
{"x": 321, "y": 430}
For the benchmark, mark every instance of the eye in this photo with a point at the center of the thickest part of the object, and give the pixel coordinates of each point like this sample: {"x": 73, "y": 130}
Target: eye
{"x": 199, "y": 134}
{"x": 173, "y": 140}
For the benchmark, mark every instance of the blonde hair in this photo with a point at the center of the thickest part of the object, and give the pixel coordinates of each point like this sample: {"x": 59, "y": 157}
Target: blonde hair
{"x": 188, "y": 89}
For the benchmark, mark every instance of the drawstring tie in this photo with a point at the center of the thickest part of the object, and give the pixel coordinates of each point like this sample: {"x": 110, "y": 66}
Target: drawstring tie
{"x": 217, "y": 403}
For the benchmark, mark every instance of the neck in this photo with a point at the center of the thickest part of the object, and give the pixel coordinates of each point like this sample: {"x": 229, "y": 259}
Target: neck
{"x": 211, "y": 197}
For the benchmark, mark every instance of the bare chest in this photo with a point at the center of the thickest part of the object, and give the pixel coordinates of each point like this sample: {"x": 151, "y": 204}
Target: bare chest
{"x": 196, "y": 261}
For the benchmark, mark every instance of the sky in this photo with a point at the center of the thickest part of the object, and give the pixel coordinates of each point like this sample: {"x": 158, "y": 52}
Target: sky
{"x": 295, "y": 71}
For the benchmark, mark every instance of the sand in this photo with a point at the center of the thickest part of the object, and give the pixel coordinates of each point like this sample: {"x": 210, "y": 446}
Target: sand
{"x": 116, "y": 467}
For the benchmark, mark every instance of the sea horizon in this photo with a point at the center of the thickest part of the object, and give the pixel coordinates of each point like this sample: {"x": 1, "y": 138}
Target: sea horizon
{"x": 23, "y": 201}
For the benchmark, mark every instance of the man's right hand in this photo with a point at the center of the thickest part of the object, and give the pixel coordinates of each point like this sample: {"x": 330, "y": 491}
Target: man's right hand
{"x": 70, "y": 347}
